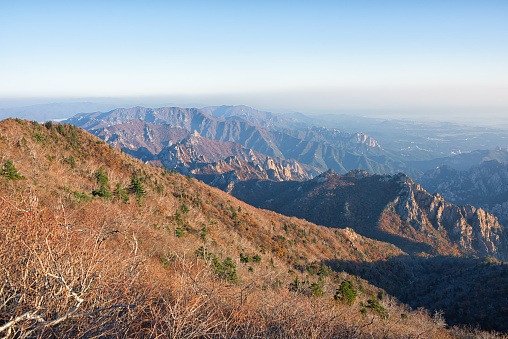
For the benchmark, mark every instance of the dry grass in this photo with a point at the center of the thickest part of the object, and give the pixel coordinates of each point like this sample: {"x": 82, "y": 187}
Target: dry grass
{"x": 73, "y": 267}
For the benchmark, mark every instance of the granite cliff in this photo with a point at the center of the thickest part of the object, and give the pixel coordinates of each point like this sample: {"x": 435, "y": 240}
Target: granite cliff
{"x": 388, "y": 208}
{"x": 484, "y": 185}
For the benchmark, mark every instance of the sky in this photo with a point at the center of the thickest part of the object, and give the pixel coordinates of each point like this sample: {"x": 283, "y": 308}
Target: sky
{"x": 392, "y": 57}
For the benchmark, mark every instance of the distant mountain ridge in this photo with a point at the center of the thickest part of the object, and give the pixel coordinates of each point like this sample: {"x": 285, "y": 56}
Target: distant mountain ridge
{"x": 261, "y": 118}
{"x": 463, "y": 161}
{"x": 320, "y": 148}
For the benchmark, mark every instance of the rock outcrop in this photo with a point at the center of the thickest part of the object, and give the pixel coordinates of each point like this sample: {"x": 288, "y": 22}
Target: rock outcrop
{"x": 224, "y": 164}
{"x": 388, "y": 208}
{"x": 472, "y": 228}
{"x": 485, "y": 186}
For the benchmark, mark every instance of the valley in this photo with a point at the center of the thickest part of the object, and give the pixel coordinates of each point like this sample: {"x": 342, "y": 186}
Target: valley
{"x": 231, "y": 204}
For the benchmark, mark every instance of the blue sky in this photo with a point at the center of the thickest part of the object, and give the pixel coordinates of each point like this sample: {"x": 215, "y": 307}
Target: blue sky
{"x": 278, "y": 55}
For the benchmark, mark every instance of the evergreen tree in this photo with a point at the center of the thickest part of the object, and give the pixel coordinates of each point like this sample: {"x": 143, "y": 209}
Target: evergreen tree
{"x": 121, "y": 193}
{"x": 102, "y": 178}
{"x": 137, "y": 188}
{"x": 346, "y": 292}
{"x": 11, "y": 172}
{"x": 103, "y": 181}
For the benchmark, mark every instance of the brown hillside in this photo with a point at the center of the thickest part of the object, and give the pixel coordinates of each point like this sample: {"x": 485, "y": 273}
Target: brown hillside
{"x": 84, "y": 256}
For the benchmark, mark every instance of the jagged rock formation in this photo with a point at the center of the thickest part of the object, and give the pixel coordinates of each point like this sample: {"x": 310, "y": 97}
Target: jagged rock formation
{"x": 485, "y": 186}
{"x": 389, "y": 208}
{"x": 224, "y": 164}
{"x": 474, "y": 229}
{"x": 137, "y": 134}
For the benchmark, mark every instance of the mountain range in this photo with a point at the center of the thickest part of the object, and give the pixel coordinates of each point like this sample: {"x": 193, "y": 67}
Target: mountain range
{"x": 238, "y": 143}
{"x": 152, "y": 244}
{"x": 318, "y": 147}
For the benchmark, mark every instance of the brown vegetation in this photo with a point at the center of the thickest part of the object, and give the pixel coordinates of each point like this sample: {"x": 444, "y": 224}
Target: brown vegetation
{"x": 77, "y": 265}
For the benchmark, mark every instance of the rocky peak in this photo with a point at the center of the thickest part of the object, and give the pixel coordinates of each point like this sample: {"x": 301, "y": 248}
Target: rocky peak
{"x": 324, "y": 176}
{"x": 472, "y": 228}
{"x": 361, "y": 138}
{"x": 358, "y": 174}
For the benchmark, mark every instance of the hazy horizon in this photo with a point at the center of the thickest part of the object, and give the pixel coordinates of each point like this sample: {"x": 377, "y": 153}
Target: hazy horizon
{"x": 487, "y": 117}
{"x": 445, "y": 60}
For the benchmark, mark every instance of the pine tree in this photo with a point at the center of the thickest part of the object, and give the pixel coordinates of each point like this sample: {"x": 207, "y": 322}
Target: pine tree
{"x": 11, "y": 172}
{"x": 137, "y": 188}
{"x": 102, "y": 178}
{"x": 121, "y": 193}
{"x": 346, "y": 292}
{"x": 103, "y": 181}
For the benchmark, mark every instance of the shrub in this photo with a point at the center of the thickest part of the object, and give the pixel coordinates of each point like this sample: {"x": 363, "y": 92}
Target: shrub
{"x": 103, "y": 181}
{"x": 178, "y": 218}
{"x": 295, "y": 285}
{"x": 315, "y": 289}
{"x": 102, "y": 192}
{"x": 346, "y": 292}
{"x": 81, "y": 196}
{"x": 245, "y": 258}
{"x": 179, "y": 232}
{"x": 374, "y": 305}
{"x": 11, "y": 172}
{"x": 202, "y": 253}
{"x": 121, "y": 193}
{"x": 71, "y": 161}
{"x": 203, "y": 233}
{"x": 226, "y": 270}
{"x": 39, "y": 137}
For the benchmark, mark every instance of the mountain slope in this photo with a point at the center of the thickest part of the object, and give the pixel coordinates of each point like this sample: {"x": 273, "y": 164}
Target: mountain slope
{"x": 95, "y": 243}
{"x": 222, "y": 164}
{"x": 136, "y": 134}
